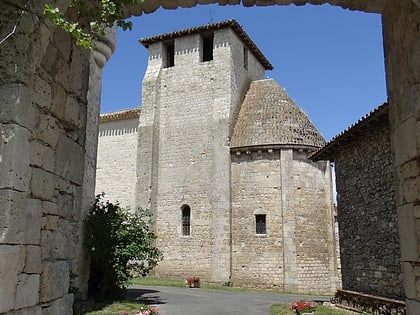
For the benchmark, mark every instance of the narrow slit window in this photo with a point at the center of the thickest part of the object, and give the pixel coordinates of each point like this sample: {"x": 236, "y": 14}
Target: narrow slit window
{"x": 186, "y": 220}
{"x": 170, "y": 54}
{"x": 246, "y": 58}
{"x": 260, "y": 224}
{"x": 208, "y": 42}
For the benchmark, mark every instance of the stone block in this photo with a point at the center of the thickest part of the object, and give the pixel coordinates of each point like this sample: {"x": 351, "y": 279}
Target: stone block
{"x": 16, "y": 105}
{"x": 407, "y": 233}
{"x": 70, "y": 160}
{"x": 50, "y": 222}
{"x": 405, "y": 142}
{"x": 42, "y": 97}
{"x": 35, "y": 310}
{"x": 12, "y": 260}
{"x": 14, "y": 142}
{"x": 33, "y": 263}
{"x": 20, "y": 218}
{"x": 66, "y": 207}
{"x": 27, "y": 289}
{"x": 60, "y": 306}
{"x": 54, "y": 282}
{"x": 60, "y": 243}
{"x": 42, "y": 184}
{"x": 49, "y": 207}
{"x": 47, "y": 130}
{"x": 58, "y": 99}
{"x": 42, "y": 156}
{"x": 409, "y": 280}
{"x": 72, "y": 111}
{"x": 79, "y": 74}
{"x": 413, "y": 306}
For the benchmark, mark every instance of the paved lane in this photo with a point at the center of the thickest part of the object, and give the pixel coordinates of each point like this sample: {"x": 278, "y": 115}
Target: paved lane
{"x": 182, "y": 301}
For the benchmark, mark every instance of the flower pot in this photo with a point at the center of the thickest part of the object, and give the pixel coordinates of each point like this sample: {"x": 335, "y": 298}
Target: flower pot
{"x": 305, "y": 313}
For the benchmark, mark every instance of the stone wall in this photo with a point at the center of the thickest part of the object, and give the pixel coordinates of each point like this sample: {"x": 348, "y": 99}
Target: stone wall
{"x": 47, "y": 162}
{"x": 184, "y": 156}
{"x": 116, "y": 163}
{"x": 401, "y": 29}
{"x": 369, "y": 243}
{"x": 297, "y": 253}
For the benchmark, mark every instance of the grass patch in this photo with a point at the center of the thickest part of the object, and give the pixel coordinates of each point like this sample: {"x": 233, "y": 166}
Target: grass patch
{"x": 116, "y": 307}
{"x": 285, "y": 309}
{"x": 166, "y": 282}
{"x": 159, "y": 282}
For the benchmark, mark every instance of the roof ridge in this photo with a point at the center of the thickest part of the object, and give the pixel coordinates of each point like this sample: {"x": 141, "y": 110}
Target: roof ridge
{"x": 232, "y": 23}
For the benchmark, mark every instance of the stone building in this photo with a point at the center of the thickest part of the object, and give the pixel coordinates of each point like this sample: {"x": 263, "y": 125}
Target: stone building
{"x": 367, "y": 216}
{"x": 222, "y": 162}
{"x": 49, "y": 98}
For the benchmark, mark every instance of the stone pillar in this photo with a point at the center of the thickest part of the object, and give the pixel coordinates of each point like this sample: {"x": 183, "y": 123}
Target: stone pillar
{"x": 291, "y": 281}
{"x": 102, "y": 50}
{"x": 401, "y": 28}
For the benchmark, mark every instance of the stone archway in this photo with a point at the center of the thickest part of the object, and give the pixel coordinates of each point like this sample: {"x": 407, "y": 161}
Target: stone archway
{"x": 49, "y": 92}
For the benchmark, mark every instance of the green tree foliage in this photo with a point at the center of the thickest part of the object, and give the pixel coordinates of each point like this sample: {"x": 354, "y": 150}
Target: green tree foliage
{"x": 88, "y": 18}
{"x": 120, "y": 244}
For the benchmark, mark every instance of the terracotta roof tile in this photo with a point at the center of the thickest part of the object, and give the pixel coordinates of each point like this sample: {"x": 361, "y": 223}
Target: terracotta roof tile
{"x": 269, "y": 117}
{"x": 120, "y": 114}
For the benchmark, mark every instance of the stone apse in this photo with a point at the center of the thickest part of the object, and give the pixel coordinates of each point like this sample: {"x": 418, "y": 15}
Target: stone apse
{"x": 49, "y": 108}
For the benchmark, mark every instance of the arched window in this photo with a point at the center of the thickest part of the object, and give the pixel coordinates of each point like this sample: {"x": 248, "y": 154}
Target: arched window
{"x": 186, "y": 220}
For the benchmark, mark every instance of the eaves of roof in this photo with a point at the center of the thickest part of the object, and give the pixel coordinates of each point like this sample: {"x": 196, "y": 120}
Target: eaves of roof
{"x": 128, "y": 113}
{"x": 232, "y": 23}
{"x": 363, "y": 125}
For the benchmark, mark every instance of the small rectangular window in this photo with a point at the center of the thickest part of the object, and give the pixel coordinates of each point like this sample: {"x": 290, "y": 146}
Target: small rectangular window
{"x": 170, "y": 55}
{"x": 186, "y": 220}
{"x": 208, "y": 42}
{"x": 246, "y": 58}
{"x": 260, "y": 226}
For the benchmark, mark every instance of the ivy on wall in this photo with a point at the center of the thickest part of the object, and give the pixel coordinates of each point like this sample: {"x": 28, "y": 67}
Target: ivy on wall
{"x": 88, "y": 18}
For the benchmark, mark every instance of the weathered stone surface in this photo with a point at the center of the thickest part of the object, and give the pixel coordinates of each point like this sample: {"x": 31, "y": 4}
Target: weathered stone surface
{"x": 14, "y": 142}
{"x": 367, "y": 215}
{"x": 59, "y": 306}
{"x": 118, "y": 146}
{"x": 35, "y": 310}
{"x": 27, "y": 289}
{"x": 12, "y": 259}
{"x": 47, "y": 130}
{"x": 68, "y": 163}
{"x": 42, "y": 156}
{"x": 16, "y": 228}
{"x": 43, "y": 184}
{"x": 16, "y": 106}
{"x": 59, "y": 243}
{"x": 54, "y": 280}
{"x": 33, "y": 264}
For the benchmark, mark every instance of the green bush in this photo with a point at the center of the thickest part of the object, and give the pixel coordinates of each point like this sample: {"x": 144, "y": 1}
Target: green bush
{"x": 121, "y": 244}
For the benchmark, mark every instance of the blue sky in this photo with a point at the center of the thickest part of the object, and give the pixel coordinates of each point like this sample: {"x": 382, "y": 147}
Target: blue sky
{"x": 329, "y": 60}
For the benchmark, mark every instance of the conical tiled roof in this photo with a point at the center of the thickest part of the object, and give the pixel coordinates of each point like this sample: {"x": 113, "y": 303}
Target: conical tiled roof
{"x": 268, "y": 116}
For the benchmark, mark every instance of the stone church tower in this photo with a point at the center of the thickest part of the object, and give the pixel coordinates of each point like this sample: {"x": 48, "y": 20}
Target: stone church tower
{"x": 222, "y": 164}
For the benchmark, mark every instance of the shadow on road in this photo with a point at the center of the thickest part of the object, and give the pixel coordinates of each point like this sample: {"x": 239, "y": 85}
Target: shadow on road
{"x": 153, "y": 296}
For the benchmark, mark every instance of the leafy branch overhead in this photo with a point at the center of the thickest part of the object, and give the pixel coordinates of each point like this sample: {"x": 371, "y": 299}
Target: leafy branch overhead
{"x": 86, "y": 19}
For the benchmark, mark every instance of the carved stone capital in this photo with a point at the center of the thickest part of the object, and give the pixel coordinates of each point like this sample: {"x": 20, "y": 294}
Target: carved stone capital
{"x": 104, "y": 46}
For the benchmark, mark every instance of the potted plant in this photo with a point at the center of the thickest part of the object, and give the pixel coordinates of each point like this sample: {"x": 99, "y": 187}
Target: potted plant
{"x": 192, "y": 282}
{"x": 150, "y": 310}
{"x": 303, "y": 307}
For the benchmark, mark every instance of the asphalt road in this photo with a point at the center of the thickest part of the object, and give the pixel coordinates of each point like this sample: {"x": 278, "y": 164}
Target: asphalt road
{"x": 198, "y": 301}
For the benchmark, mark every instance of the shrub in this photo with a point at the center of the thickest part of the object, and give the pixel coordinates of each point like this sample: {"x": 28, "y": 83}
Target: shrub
{"x": 120, "y": 243}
